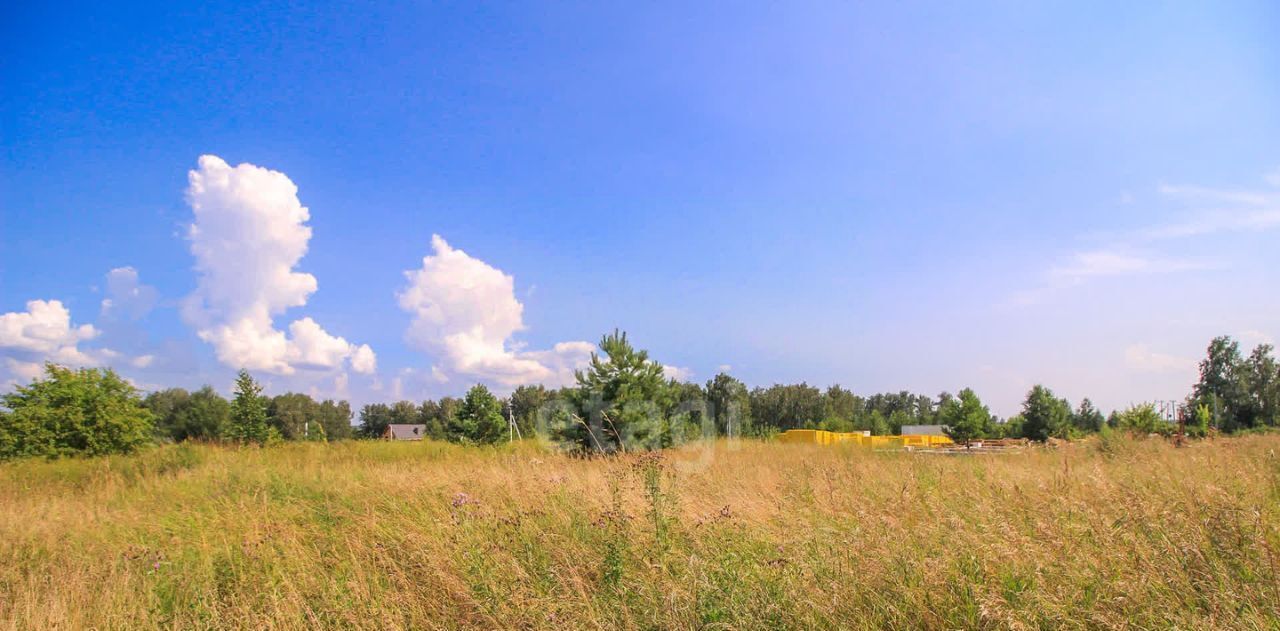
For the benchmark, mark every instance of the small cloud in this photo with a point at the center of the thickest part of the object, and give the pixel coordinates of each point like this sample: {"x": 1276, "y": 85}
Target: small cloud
{"x": 1094, "y": 263}
{"x": 127, "y": 297}
{"x": 676, "y": 372}
{"x": 1215, "y": 222}
{"x": 1194, "y": 194}
{"x": 724, "y": 368}
{"x": 1143, "y": 359}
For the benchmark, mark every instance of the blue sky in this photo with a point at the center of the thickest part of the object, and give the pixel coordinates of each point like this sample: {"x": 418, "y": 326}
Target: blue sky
{"x": 886, "y": 197}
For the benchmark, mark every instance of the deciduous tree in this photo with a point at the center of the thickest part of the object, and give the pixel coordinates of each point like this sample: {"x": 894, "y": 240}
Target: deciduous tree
{"x": 89, "y": 411}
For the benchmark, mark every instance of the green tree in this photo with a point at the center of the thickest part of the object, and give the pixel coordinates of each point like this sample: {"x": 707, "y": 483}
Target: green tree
{"x": 730, "y": 405}
{"x": 620, "y": 394}
{"x": 1087, "y": 419}
{"x": 432, "y": 415}
{"x": 404, "y": 413}
{"x": 294, "y": 415}
{"x": 878, "y": 424}
{"x": 965, "y": 417}
{"x": 479, "y": 420}
{"x": 840, "y": 408}
{"x": 249, "y": 412}
{"x": 1142, "y": 419}
{"x": 686, "y": 415}
{"x": 206, "y": 416}
{"x": 524, "y": 404}
{"x": 374, "y": 419}
{"x": 1262, "y": 384}
{"x": 165, "y": 406}
{"x": 1198, "y": 424}
{"x": 88, "y": 411}
{"x": 1044, "y": 415}
{"x": 1222, "y": 386}
{"x": 180, "y": 415}
{"x": 1013, "y": 427}
{"x": 783, "y": 407}
{"x": 335, "y": 417}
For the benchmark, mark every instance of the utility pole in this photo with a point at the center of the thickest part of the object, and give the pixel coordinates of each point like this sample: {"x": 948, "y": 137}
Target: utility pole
{"x": 512, "y": 428}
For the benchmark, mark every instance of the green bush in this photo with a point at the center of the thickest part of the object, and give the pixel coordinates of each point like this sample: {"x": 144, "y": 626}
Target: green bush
{"x": 89, "y": 411}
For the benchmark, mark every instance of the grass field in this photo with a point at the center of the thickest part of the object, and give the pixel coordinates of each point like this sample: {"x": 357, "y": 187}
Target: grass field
{"x": 757, "y": 535}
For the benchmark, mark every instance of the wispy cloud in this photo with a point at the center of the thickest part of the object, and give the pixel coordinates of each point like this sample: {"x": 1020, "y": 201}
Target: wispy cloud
{"x": 1143, "y": 359}
{"x": 1212, "y": 211}
{"x": 1216, "y": 195}
{"x": 1215, "y": 222}
{"x": 1218, "y": 210}
{"x": 1083, "y": 265}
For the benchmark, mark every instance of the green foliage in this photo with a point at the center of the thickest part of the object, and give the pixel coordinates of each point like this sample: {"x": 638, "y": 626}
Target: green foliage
{"x": 164, "y": 406}
{"x": 524, "y": 405}
{"x": 1013, "y": 427}
{"x": 374, "y": 419}
{"x": 249, "y": 413}
{"x": 1240, "y": 393}
{"x": 1142, "y": 419}
{"x": 479, "y": 420}
{"x": 786, "y": 407}
{"x": 621, "y": 398}
{"x": 291, "y": 414}
{"x": 1198, "y": 424}
{"x": 730, "y": 405}
{"x": 335, "y": 418}
{"x": 1261, "y": 377}
{"x": 1222, "y": 385}
{"x": 438, "y": 416}
{"x": 1087, "y": 419}
{"x": 842, "y": 409}
{"x": 88, "y": 411}
{"x": 965, "y": 418}
{"x": 1044, "y": 415}
{"x": 314, "y": 431}
{"x": 206, "y": 416}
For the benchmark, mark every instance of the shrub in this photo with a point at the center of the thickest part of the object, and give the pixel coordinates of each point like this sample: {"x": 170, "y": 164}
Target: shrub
{"x": 88, "y": 411}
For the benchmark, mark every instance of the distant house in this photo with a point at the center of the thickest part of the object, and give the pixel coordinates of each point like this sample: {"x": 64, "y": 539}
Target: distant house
{"x": 923, "y": 430}
{"x": 405, "y": 432}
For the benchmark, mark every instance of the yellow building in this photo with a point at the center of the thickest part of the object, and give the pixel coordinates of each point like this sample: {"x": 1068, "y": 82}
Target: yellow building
{"x": 864, "y": 439}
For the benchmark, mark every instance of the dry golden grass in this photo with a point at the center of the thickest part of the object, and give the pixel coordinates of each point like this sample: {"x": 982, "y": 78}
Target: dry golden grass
{"x": 757, "y": 535}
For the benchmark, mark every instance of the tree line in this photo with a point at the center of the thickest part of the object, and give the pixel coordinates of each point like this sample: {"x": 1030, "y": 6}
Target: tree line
{"x": 620, "y": 401}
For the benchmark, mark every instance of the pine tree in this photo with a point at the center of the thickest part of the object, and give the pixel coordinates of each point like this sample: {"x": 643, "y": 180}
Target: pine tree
{"x": 620, "y": 397}
{"x": 249, "y": 411}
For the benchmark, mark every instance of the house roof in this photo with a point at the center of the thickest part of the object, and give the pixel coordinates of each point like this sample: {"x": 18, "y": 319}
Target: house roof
{"x": 406, "y": 432}
{"x": 927, "y": 430}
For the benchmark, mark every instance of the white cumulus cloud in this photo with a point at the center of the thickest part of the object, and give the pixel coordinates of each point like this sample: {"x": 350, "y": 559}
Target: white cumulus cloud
{"x": 249, "y": 234}
{"x": 44, "y": 328}
{"x": 45, "y": 333}
{"x": 465, "y": 312}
